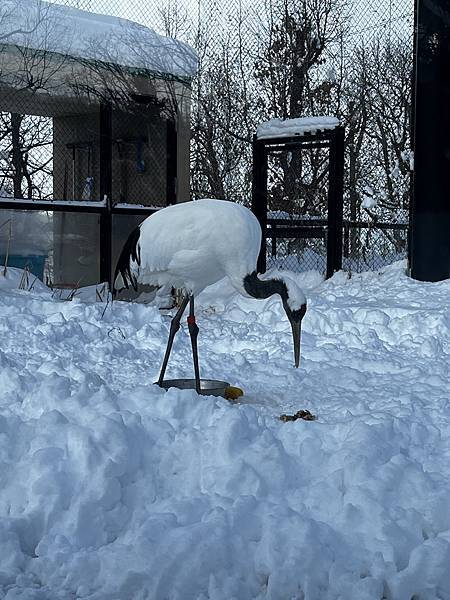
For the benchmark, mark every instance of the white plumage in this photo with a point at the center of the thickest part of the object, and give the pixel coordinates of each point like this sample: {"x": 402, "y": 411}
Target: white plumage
{"x": 192, "y": 245}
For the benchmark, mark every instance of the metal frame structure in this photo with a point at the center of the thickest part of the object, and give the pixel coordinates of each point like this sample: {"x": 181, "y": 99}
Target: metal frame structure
{"x": 429, "y": 252}
{"x": 332, "y": 227}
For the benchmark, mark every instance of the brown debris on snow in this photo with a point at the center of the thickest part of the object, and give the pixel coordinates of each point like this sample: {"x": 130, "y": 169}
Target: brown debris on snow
{"x": 301, "y": 414}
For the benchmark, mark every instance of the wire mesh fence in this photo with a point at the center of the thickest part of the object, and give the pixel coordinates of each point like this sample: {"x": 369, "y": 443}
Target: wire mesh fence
{"x": 298, "y": 254}
{"x": 371, "y": 245}
{"x": 232, "y": 66}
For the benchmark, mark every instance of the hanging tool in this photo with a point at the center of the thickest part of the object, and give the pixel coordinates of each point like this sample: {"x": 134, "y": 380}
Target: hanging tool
{"x": 66, "y": 175}
{"x": 73, "y": 171}
{"x": 123, "y": 170}
{"x": 140, "y": 163}
{"x": 88, "y": 185}
{"x": 122, "y": 143}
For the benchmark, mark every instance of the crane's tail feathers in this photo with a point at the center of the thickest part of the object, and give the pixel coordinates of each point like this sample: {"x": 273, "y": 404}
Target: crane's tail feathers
{"x": 131, "y": 253}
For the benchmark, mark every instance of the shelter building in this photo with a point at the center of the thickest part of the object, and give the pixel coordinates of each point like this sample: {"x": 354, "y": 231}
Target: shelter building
{"x": 117, "y": 98}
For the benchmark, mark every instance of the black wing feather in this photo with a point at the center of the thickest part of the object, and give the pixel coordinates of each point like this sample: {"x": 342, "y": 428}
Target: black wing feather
{"x": 131, "y": 252}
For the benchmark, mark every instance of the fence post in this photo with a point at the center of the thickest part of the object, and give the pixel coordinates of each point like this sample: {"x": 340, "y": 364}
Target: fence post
{"x": 430, "y": 210}
{"x": 335, "y": 202}
{"x": 274, "y": 240}
{"x": 346, "y": 240}
{"x": 172, "y": 162}
{"x": 259, "y": 196}
{"x": 105, "y": 127}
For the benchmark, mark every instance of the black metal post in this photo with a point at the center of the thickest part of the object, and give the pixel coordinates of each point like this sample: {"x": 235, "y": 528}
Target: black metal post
{"x": 172, "y": 162}
{"x": 430, "y": 214}
{"x": 274, "y": 240}
{"x": 346, "y": 249}
{"x": 106, "y": 193}
{"x": 335, "y": 202}
{"x": 259, "y": 196}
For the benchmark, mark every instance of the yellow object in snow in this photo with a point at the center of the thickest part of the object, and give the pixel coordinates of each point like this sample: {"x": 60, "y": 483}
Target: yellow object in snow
{"x": 233, "y": 393}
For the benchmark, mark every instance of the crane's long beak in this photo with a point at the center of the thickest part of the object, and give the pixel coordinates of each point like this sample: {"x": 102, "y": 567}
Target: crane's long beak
{"x": 296, "y": 325}
{"x": 296, "y": 334}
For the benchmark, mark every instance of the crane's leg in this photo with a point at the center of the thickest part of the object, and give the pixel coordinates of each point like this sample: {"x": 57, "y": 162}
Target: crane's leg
{"x": 174, "y": 327}
{"x": 193, "y": 332}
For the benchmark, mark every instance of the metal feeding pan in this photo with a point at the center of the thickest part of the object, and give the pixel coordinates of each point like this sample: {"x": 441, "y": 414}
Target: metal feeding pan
{"x": 208, "y": 387}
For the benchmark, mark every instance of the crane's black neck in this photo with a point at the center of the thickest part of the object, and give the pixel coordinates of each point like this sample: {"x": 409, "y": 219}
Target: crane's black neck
{"x": 263, "y": 288}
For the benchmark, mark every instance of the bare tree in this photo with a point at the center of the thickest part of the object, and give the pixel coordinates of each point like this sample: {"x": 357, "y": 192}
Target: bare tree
{"x": 295, "y": 37}
{"x": 25, "y": 159}
{"x": 388, "y": 67}
{"x": 375, "y": 108}
{"x": 224, "y": 109}
{"x": 221, "y": 130}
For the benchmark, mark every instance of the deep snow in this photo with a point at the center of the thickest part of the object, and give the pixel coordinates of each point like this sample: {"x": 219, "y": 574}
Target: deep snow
{"x": 114, "y": 489}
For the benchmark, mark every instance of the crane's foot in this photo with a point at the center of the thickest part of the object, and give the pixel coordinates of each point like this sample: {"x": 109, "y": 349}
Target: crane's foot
{"x": 193, "y": 332}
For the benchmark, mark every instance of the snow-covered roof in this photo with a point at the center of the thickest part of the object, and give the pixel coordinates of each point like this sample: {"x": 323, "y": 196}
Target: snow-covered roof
{"x": 291, "y": 127}
{"x": 80, "y": 34}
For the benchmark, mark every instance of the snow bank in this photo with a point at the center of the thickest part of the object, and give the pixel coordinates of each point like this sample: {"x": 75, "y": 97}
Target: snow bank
{"x": 56, "y": 28}
{"x": 290, "y": 127}
{"x": 115, "y": 489}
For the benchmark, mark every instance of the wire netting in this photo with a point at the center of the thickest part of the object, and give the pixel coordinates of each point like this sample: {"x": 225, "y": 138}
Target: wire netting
{"x": 256, "y": 61}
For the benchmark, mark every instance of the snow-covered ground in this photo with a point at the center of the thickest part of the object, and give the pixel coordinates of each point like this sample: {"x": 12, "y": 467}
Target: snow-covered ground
{"x": 114, "y": 489}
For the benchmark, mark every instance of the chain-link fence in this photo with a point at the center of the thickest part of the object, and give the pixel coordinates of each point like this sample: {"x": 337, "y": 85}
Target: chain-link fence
{"x": 60, "y": 62}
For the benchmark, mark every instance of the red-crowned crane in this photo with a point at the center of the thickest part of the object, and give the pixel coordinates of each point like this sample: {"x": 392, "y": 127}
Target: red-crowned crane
{"x": 192, "y": 245}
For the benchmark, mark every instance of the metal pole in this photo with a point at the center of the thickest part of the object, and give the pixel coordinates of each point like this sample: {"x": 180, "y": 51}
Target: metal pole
{"x": 105, "y": 125}
{"x": 430, "y": 212}
{"x": 259, "y": 196}
{"x": 335, "y": 202}
{"x": 171, "y": 157}
{"x": 274, "y": 240}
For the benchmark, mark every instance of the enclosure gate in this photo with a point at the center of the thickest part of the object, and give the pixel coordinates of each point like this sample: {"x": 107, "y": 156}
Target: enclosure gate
{"x": 330, "y": 228}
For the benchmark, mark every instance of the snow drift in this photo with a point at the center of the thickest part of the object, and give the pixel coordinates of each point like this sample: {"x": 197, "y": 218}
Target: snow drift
{"x": 115, "y": 489}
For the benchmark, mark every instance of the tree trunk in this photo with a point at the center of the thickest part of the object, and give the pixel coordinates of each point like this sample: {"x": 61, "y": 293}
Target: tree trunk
{"x": 17, "y": 164}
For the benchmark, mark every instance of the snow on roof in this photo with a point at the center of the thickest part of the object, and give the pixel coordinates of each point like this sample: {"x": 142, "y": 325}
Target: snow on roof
{"x": 77, "y": 33}
{"x": 291, "y": 127}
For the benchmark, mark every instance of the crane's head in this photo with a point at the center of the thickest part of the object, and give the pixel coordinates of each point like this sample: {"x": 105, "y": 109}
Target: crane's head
{"x": 294, "y": 304}
{"x": 292, "y": 296}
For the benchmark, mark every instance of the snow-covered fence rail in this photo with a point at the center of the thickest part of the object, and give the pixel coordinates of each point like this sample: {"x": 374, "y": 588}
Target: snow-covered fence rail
{"x": 300, "y": 244}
